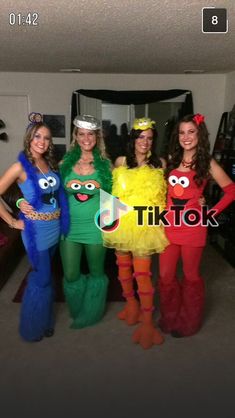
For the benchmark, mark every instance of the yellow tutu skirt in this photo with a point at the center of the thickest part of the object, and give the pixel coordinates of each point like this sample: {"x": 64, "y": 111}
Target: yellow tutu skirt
{"x": 142, "y": 186}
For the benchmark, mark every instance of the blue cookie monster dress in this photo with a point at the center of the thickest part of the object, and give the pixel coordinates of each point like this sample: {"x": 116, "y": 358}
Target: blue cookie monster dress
{"x": 40, "y": 237}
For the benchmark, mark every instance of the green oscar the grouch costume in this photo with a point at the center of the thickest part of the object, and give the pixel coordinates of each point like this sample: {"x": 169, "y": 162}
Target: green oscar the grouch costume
{"x": 85, "y": 294}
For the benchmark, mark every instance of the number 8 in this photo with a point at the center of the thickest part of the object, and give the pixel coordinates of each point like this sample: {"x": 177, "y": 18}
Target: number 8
{"x": 214, "y": 20}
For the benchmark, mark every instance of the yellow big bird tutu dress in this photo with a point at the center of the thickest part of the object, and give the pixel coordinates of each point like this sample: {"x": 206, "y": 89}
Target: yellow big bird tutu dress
{"x": 140, "y": 186}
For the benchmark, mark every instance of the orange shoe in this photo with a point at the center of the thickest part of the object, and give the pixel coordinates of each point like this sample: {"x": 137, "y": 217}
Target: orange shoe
{"x": 147, "y": 335}
{"x": 131, "y": 312}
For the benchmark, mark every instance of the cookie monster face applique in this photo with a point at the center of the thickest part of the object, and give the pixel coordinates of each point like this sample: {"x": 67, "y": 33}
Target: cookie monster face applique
{"x": 83, "y": 190}
{"x": 49, "y": 185}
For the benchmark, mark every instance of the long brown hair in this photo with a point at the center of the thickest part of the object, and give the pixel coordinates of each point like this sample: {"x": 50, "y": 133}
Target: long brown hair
{"x": 49, "y": 154}
{"x": 153, "y": 160}
{"x": 202, "y": 158}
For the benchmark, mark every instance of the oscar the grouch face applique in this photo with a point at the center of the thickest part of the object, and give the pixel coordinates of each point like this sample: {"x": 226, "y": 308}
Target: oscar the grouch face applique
{"x": 83, "y": 190}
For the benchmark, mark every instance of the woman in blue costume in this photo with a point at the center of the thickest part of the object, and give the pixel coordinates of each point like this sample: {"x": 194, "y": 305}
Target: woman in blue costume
{"x": 44, "y": 219}
{"x": 84, "y": 172}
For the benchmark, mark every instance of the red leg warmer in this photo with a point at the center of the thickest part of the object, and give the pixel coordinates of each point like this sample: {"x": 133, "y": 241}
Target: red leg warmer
{"x": 191, "y": 313}
{"x": 170, "y": 300}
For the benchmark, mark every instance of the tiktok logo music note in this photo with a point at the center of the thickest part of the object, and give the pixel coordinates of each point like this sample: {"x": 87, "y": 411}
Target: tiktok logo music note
{"x": 107, "y": 218}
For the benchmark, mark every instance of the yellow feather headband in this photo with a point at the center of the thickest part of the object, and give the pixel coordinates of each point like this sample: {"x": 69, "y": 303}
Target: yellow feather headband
{"x": 143, "y": 124}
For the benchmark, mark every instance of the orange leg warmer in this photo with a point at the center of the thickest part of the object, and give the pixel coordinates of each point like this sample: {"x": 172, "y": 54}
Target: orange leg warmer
{"x": 131, "y": 312}
{"x": 146, "y": 334}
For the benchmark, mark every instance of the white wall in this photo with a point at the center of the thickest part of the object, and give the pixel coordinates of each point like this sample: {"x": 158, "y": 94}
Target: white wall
{"x": 14, "y": 113}
{"x": 51, "y": 93}
{"x": 229, "y": 92}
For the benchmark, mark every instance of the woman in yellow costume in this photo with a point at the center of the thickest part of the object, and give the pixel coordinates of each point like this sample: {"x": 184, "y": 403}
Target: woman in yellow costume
{"x": 138, "y": 180}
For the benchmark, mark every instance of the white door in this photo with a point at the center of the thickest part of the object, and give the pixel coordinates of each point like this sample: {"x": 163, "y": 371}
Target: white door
{"x": 14, "y": 112}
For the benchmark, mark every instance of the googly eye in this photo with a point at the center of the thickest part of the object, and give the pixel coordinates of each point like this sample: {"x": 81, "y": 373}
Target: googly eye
{"x": 75, "y": 186}
{"x": 173, "y": 180}
{"x": 52, "y": 181}
{"x": 184, "y": 181}
{"x": 43, "y": 184}
{"x": 90, "y": 186}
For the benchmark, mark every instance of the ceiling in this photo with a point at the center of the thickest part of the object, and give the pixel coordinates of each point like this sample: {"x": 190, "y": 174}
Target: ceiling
{"x": 115, "y": 36}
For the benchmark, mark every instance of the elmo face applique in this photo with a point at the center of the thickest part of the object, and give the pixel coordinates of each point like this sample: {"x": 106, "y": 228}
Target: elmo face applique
{"x": 179, "y": 189}
{"x": 83, "y": 190}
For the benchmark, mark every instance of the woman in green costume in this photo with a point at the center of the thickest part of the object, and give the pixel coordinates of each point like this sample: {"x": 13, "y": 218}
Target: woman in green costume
{"x": 84, "y": 171}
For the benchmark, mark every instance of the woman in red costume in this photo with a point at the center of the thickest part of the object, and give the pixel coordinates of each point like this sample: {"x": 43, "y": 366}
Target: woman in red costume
{"x": 189, "y": 168}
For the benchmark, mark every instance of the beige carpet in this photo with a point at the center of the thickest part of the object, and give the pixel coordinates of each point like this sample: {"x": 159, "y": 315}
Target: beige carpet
{"x": 98, "y": 372}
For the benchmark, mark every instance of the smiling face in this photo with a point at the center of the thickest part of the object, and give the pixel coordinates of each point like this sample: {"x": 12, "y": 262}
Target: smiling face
{"x": 144, "y": 142}
{"x": 86, "y": 139}
{"x": 188, "y": 136}
{"x": 40, "y": 141}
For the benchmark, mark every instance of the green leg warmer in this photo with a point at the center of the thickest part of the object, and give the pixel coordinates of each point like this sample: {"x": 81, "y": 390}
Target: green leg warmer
{"x": 94, "y": 301}
{"x": 74, "y": 293}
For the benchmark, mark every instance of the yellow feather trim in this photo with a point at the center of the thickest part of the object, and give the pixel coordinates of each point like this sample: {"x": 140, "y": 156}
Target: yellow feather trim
{"x": 141, "y": 186}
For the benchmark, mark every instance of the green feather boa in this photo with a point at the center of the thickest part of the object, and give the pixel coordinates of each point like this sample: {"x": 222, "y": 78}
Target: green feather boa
{"x": 102, "y": 166}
